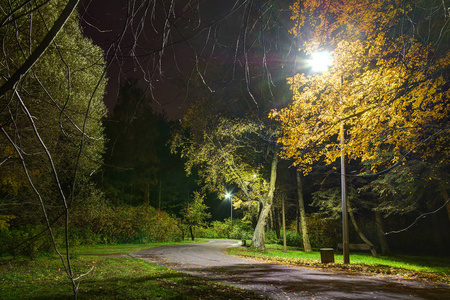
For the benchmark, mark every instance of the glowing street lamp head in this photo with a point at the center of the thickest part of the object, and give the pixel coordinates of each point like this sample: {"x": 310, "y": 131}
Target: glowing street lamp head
{"x": 228, "y": 195}
{"x": 320, "y": 61}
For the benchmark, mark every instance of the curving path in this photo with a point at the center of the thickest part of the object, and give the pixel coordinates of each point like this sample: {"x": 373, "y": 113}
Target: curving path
{"x": 285, "y": 282}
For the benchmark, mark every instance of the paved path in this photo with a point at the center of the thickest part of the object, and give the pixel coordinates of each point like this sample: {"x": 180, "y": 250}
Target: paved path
{"x": 285, "y": 282}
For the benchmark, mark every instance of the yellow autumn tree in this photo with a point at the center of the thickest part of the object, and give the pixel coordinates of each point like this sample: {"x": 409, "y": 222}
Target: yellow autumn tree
{"x": 390, "y": 92}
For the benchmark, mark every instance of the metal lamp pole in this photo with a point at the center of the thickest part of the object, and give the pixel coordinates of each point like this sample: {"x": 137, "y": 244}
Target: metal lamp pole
{"x": 345, "y": 249}
{"x": 229, "y": 196}
{"x": 231, "y": 215}
{"x": 320, "y": 62}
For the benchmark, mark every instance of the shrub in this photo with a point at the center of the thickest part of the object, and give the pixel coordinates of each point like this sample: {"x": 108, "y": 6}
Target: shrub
{"x": 293, "y": 239}
{"x": 242, "y": 230}
{"x": 323, "y": 232}
{"x": 123, "y": 224}
{"x": 215, "y": 230}
{"x": 29, "y": 240}
{"x": 271, "y": 237}
{"x": 222, "y": 230}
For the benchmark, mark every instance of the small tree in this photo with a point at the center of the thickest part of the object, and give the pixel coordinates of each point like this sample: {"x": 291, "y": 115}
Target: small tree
{"x": 195, "y": 213}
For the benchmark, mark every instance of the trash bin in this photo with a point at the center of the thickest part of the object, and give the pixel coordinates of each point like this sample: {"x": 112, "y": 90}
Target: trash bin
{"x": 327, "y": 255}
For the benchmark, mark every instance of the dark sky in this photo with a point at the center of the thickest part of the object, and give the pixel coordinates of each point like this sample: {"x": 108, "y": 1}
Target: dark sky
{"x": 138, "y": 54}
{"x": 166, "y": 52}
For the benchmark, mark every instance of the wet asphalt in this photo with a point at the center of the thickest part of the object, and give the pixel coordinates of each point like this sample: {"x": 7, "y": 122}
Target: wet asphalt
{"x": 279, "y": 281}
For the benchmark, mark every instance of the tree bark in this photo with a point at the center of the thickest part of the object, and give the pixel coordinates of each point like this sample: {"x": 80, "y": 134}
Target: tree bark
{"x": 271, "y": 216}
{"x": 361, "y": 234}
{"x": 385, "y": 249}
{"x": 258, "y": 240}
{"x": 284, "y": 223}
{"x": 159, "y": 196}
{"x": 301, "y": 208}
{"x": 446, "y": 199}
{"x": 147, "y": 194}
{"x": 277, "y": 222}
{"x": 191, "y": 232}
{"x": 181, "y": 227}
{"x": 436, "y": 232}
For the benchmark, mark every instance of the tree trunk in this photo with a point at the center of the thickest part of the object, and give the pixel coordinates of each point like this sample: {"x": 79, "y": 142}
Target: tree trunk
{"x": 258, "y": 240}
{"x": 361, "y": 234}
{"x": 147, "y": 194}
{"x": 191, "y": 231}
{"x": 436, "y": 232}
{"x": 446, "y": 200}
{"x": 385, "y": 249}
{"x": 284, "y": 223}
{"x": 276, "y": 225}
{"x": 271, "y": 215}
{"x": 301, "y": 207}
{"x": 159, "y": 196}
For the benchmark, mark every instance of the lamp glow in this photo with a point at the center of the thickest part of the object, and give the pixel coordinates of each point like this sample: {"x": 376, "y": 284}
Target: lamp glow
{"x": 320, "y": 61}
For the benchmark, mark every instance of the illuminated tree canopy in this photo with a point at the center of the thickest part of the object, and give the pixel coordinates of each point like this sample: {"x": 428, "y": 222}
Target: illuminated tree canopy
{"x": 389, "y": 89}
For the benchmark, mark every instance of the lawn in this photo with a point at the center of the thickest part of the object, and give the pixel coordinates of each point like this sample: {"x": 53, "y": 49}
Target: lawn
{"x": 123, "y": 248}
{"x": 111, "y": 278}
{"x": 420, "y": 267}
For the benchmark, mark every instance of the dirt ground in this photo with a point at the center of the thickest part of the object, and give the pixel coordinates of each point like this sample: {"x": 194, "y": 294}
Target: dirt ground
{"x": 285, "y": 282}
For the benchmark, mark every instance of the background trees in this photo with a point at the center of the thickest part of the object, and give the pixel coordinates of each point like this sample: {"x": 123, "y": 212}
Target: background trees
{"x": 50, "y": 116}
{"x": 51, "y": 120}
{"x": 131, "y": 162}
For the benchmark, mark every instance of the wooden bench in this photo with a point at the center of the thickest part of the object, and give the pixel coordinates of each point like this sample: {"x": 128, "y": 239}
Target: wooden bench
{"x": 354, "y": 247}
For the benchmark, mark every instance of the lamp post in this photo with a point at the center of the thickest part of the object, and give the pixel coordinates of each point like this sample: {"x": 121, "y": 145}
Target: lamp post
{"x": 319, "y": 63}
{"x": 230, "y": 196}
{"x": 345, "y": 239}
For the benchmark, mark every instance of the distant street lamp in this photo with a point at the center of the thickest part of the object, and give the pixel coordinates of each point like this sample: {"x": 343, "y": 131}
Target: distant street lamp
{"x": 319, "y": 63}
{"x": 228, "y": 195}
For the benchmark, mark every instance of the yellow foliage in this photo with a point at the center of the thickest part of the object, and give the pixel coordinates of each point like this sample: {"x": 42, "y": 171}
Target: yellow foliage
{"x": 388, "y": 94}
{"x": 4, "y": 221}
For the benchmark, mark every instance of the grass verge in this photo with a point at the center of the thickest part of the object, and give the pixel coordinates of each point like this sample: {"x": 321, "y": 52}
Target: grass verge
{"x": 111, "y": 278}
{"x": 123, "y": 248}
{"x": 415, "y": 267}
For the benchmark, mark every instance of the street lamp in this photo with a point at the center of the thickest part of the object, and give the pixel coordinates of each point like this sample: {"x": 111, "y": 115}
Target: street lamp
{"x": 228, "y": 195}
{"x": 319, "y": 63}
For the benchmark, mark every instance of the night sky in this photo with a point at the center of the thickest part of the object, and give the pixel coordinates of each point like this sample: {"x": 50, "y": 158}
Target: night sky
{"x": 165, "y": 54}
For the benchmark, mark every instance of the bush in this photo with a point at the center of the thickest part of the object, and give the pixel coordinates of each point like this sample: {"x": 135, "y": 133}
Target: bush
{"x": 293, "y": 239}
{"x": 271, "y": 237}
{"x": 215, "y": 230}
{"x": 222, "y": 230}
{"x": 242, "y": 230}
{"x": 29, "y": 240}
{"x": 123, "y": 224}
{"x": 323, "y": 232}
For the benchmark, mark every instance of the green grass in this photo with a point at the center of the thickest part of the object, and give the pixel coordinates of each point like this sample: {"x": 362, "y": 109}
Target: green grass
{"x": 123, "y": 248}
{"x": 111, "y": 278}
{"x": 424, "y": 267}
